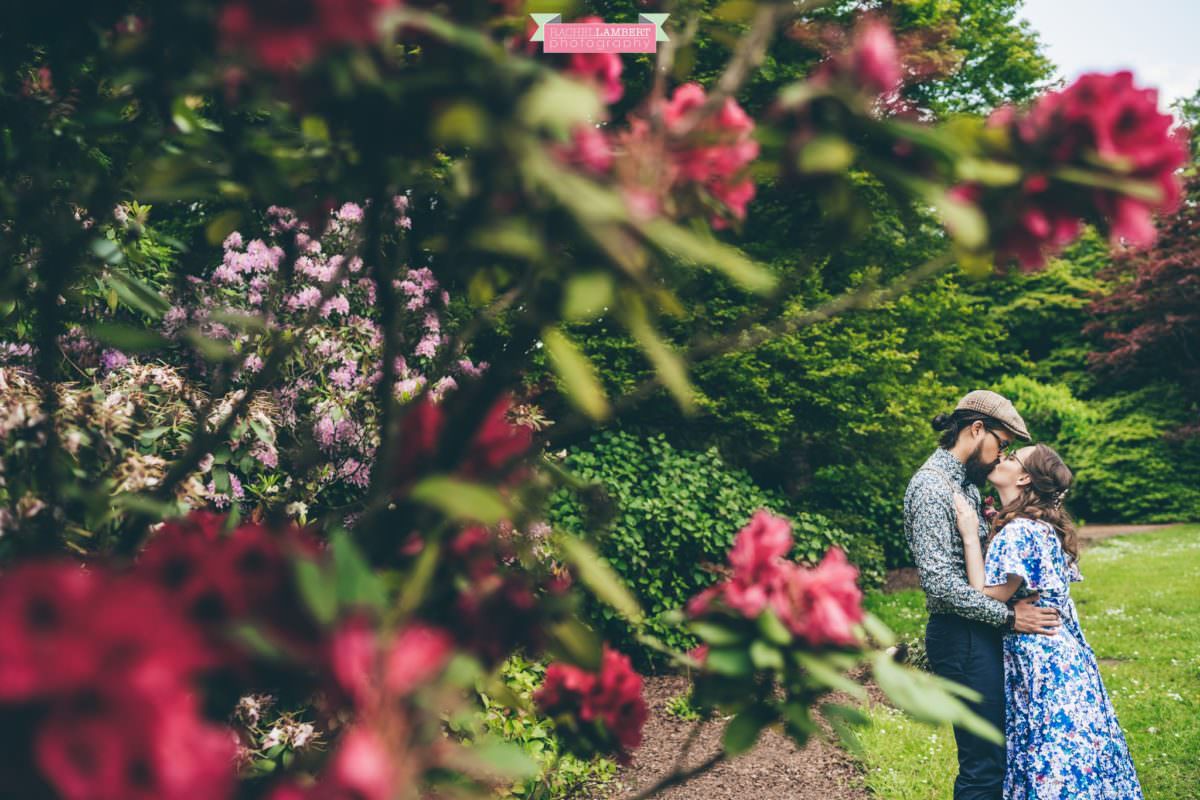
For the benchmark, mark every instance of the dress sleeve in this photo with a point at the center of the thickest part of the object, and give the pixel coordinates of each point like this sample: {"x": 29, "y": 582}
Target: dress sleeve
{"x": 1021, "y": 548}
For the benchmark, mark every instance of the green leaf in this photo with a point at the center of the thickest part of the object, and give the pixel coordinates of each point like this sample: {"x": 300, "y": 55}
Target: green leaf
{"x": 221, "y": 226}
{"x": 923, "y": 697}
{"x": 314, "y": 127}
{"x": 239, "y": 321}
{"x": 599, "y": 576}
{"x": 716, "y": 635}
{"x": 108, "y": 251}
{"x": 357, "y": 584}
{"x": 507, "y": 759}
{"x": 1141, "y": 190}
{"x": 827, "y": 675}
{"x": 696, "y": 249}
{"x": 251, "y": 637}
{"x": 587, "y": 296}
{"x": 154, "y": 434}
{"x": 462, "y": 123}
{"x": 462, "y": 500}
{"x": 577, "y": 372}
{"x": 773, "y": 628}
{"x": 733, "y": 662}
{"x": 559, "y": 103}
{"x": 210, "y": 349}
{"x": 137, "y": 294}
{"x": 221, "y": 478}
{"x": 988, "y": 172}
{"x": 578, "y": 643}
{"x": 669, "y": 365}
{"x": 128, "y": 338}
{"x": 965, "y": 222}
{"x": 318, "y": 591}
{"x": 825, "y": 154}
{"x": 878, "y": 631}
{"x": 510, "y": 237}
{"x": 765, "y": 657}
{"x": 742, "y": 732}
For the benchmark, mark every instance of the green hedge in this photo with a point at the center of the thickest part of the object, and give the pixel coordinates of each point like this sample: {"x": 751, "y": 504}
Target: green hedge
{"x": 672, "y": 511}
{"x": 1127, "y": 466}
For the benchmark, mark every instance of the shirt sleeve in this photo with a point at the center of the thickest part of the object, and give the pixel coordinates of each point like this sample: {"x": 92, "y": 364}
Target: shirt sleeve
{"x": 932, "y": 529}
{"x": 1022, "y": 548}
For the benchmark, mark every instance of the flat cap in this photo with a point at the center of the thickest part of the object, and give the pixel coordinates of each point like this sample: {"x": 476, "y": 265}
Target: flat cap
{"x": 998, "y": 407}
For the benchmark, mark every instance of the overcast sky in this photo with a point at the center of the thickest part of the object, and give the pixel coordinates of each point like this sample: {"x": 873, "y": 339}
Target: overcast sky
{"x": 1159, "y": 40}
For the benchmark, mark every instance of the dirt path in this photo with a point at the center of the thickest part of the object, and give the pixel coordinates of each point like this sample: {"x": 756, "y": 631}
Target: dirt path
{"x": 774, "y": 770}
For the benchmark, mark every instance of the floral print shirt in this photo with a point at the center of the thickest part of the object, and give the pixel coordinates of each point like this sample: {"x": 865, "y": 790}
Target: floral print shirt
{"x": 931, "y": 527}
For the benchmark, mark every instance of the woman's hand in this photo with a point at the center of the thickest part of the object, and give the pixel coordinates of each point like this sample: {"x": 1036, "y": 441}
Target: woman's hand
{"x": 968, "y": 517}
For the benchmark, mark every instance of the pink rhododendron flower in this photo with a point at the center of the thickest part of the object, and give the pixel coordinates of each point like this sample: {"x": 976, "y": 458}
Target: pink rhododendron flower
{"x": 821, "y": 605}
{"x": 601, "y": 69}
{"x": 874, "y": 57}
{"x": 283, "y": 41}
{"x": 1100, "y": 121}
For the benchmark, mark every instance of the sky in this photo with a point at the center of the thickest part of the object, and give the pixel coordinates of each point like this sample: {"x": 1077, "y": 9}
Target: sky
{"x": 1156, "y": 39}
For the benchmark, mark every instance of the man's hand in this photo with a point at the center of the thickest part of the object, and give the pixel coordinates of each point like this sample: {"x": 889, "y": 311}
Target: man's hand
{"x": 1031, "y": 619}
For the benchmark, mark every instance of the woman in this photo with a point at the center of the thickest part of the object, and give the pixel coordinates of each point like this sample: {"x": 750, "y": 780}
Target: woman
{"x": 1063, "y": 740}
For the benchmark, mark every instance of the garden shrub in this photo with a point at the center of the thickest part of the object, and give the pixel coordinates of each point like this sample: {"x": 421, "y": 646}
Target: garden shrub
{"x": 561, "y": 773}
{"x": 1127, "y": 467}
{"x": 674, "y": 512}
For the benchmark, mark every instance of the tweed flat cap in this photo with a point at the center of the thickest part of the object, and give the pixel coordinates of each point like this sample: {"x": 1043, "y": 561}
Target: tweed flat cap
{"x": 998, "y": 407}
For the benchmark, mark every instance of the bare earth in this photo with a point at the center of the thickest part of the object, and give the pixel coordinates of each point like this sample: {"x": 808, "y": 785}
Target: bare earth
{"x": 776, "y": 769}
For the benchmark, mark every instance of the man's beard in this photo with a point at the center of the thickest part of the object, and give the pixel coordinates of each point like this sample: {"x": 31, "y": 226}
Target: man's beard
{"x": 977, "y": 469}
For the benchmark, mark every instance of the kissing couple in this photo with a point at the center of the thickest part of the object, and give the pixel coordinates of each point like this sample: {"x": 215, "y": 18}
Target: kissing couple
{"x": 1001, "y": 618}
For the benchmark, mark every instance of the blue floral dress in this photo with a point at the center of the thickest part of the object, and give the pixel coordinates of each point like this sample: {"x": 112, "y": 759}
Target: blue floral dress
{"x": 1062, "y": 734}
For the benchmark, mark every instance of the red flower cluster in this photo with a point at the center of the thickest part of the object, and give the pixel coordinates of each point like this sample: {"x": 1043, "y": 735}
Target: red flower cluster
{"x": 613, "y": 697}
{"x": 244, "y": 576}
{"x": 287, "y": 36}
{"x": 820, "y": 605}
{"x": 871, "y": 64}
{"x": 496, "y": 443}
{"x": 498, "y": 609}
{"x": 109, "y": 663}
{"x": 710, "y": 158}
{"x": 1102, "y": 118}
{"x": 370, "y": 670}
{"x": 600, "y": 69}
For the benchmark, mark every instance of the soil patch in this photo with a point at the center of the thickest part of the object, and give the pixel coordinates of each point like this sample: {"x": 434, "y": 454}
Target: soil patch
{"x": 774, "y": 770}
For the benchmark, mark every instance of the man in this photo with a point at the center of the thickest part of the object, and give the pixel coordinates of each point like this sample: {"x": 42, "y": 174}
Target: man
{"x": 966, "y": 627}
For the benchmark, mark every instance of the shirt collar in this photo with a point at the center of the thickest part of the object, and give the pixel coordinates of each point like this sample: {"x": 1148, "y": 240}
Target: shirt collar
{"x": 947, "y": 462}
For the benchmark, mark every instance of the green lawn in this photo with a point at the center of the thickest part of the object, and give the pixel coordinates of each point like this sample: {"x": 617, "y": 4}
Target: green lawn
{"x": 1140, "y": 607}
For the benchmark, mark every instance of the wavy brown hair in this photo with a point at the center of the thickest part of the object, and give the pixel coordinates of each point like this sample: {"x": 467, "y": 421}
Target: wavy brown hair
{"x": 1041, "y": 498}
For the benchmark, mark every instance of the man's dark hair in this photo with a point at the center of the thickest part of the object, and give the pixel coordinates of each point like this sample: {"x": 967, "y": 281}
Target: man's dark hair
{"x": 952, "y": 424}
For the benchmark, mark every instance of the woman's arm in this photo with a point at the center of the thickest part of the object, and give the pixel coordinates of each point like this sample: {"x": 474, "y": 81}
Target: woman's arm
{"x": 968, "y": 527}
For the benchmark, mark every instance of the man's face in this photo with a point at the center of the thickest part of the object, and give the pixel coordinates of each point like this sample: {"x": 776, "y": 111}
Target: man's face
{"x": 986, "y": 455}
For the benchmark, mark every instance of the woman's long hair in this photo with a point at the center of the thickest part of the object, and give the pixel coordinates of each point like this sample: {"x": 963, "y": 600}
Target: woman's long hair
{"x": 1042, "y": 497}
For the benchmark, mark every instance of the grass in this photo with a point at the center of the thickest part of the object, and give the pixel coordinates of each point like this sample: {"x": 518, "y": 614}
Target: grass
{"x": 1139, "y": 612}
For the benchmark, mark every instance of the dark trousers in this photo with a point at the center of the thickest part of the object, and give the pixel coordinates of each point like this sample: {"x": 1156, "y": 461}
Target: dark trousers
{"x": 971, "y": 653}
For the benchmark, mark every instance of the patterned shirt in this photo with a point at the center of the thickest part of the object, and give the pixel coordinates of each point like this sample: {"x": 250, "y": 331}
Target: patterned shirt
{"x": 931, "y": 527}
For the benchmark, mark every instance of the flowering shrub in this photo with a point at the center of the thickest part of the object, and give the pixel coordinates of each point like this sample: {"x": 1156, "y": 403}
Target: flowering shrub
{"x": 1099, "y": 116}
{"x": 608, "y": 705}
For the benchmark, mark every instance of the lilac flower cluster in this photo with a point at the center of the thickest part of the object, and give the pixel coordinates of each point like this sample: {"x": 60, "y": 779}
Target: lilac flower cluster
{"x": 325, "y": 399}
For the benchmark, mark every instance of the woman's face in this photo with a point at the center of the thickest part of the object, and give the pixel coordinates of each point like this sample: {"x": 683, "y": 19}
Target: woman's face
{"x": 1009, "y": 471}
